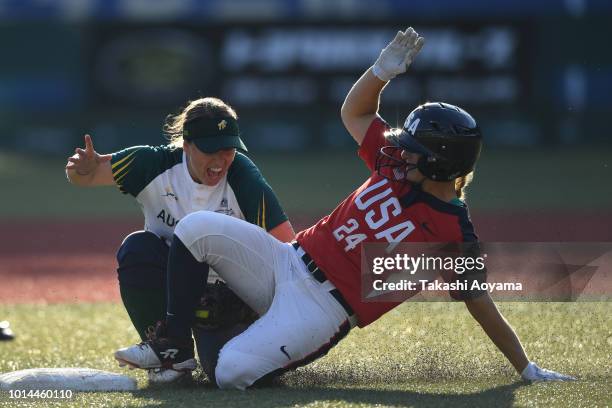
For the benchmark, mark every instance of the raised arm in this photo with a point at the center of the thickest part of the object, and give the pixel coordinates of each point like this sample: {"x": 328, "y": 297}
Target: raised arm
{"x": 361, "y": 104}
{"x": 89, "y": 168}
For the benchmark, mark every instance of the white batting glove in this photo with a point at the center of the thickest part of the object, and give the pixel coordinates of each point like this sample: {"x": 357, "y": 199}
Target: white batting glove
{"x": 534, "y": 373}
{"x": 395, "y": 58}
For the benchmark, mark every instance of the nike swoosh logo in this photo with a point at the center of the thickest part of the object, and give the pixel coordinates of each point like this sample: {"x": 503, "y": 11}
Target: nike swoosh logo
{"x": 282, "y": 349}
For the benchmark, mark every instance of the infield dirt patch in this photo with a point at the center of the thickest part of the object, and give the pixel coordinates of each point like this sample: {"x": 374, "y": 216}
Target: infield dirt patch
{"x": 74, "y": 261}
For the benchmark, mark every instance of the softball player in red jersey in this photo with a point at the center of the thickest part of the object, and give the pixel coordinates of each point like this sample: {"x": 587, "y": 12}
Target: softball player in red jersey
{"x": 308, "y": 293}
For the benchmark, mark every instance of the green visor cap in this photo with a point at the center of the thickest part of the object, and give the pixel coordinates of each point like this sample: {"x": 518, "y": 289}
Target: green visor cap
{"x": 213, "y": 134}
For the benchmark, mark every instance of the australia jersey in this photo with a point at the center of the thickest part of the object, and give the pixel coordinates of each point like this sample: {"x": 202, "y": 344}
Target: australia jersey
{"x": 379, "y": 211}
{"x": 159, "y": 180}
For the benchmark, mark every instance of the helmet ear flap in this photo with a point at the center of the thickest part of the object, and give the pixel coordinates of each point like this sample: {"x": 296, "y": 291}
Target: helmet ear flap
{"x": 428, "y": 166}
{"x": 437, "y": 168}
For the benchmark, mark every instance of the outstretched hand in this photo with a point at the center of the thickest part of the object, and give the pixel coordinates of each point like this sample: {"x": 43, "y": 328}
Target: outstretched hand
{"x": 396, "y": 57}
{"x": 534, "y": 373}
{"x": 86, "y": 161}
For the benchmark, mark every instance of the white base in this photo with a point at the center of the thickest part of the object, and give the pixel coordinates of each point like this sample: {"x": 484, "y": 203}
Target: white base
{"x": 75, "y": 379}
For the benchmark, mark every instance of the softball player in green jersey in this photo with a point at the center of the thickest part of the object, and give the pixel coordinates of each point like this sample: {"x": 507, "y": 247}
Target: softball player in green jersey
{"x": 202, "y": 168}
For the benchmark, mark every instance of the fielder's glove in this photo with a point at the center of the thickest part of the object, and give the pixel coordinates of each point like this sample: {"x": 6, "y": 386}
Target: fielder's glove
{"x": 395, "y": 58}
{"x": 534, "y": 373}
{"x": 220, "y": 307}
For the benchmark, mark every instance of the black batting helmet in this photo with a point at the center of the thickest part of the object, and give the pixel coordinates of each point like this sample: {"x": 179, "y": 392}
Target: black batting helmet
{"x": 446, "y": 136}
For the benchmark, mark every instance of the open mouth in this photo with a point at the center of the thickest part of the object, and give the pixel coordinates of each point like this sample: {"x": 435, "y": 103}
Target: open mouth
{"x": 214, "y": 172}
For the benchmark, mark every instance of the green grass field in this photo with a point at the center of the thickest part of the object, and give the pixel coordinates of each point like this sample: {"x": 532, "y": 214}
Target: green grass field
{"x": 421, "y": 354}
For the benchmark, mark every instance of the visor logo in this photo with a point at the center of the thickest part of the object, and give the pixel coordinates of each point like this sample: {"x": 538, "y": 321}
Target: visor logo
{"x": 221, "y": 125}
{"x": 413, "y": 126}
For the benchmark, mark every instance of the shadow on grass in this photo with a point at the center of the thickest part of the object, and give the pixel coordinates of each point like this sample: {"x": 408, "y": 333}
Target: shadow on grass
{"x": 205, "y": 395}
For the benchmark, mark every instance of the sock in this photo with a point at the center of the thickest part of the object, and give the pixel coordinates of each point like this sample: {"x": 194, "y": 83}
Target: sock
{"x": 186, "y": 280}
{"x": 145, "y": 306}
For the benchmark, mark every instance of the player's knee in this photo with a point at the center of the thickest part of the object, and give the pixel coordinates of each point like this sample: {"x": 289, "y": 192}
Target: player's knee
{"x": 142, "y": 259}
{"x": 198, "y": 225}
{"x": 235, "y": 370}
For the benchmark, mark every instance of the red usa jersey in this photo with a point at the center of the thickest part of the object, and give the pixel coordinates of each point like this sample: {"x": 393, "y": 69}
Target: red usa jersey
{"x": 379, "y": 211}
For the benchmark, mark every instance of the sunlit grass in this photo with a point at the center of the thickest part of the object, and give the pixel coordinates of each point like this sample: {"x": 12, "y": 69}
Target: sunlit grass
{"x": 421, "y": 354}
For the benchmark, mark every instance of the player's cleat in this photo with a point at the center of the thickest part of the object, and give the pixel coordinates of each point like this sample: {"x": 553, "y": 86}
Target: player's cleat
{"x": 5, "y": 331}
{"x": 159, "y": 352}
{"x": 534, "y": 373}
{"x": 167, "y": 375}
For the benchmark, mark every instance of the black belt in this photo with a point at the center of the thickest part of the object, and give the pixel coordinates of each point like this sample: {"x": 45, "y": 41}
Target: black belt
{"x": 319, "y": 275}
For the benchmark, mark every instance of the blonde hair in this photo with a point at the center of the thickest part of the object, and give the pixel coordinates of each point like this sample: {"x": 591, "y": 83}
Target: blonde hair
{"x": 461, "y": 184}
{"x": 203, "y": 107}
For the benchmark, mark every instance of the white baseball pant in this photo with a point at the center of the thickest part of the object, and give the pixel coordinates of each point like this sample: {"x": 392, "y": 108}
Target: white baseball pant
{"x": 300, "y": 319}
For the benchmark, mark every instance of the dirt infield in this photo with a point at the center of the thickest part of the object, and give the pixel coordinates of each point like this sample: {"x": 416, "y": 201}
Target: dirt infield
{"x": 69, "y": 261}
{"x": 57, "y": 261}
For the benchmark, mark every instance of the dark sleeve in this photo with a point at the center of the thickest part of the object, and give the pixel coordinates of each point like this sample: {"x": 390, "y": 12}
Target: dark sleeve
{"x": 471, "y": 250}
{"x": 255, "y": 197}
{"x": 470, "y": 247}
{"x": 135, "y": 167}
{"x": 373, "y": 141}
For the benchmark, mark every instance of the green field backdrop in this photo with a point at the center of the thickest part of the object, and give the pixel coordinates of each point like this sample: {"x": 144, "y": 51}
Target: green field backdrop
{"x": 313, "y": 183}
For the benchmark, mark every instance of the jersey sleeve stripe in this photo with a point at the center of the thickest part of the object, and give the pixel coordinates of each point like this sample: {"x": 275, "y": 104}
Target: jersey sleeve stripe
{"x": 263, "y": 212}
{"x": 117, "y": 172}
{"x": 121, "y": 177}
{"x": 124, "y": 159}
{"x": 259, "y": 215}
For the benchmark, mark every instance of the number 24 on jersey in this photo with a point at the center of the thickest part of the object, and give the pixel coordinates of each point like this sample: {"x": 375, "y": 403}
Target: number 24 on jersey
{"x": 377, "y": 205}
